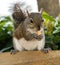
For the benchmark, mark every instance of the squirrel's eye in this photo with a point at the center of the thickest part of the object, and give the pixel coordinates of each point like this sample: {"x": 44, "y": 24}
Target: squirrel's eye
{"x": 42, "y": 20}
{"x": 31, "y": 20}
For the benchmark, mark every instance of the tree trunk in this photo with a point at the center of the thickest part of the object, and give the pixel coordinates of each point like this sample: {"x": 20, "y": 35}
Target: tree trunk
{"x": 50, "y": 6}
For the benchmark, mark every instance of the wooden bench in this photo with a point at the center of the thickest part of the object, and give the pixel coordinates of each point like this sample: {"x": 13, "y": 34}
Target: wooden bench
{"x": 30, "y": 58}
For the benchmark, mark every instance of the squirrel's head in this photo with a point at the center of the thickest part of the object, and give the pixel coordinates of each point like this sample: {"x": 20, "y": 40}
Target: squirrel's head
{"x": 33, "y": 22}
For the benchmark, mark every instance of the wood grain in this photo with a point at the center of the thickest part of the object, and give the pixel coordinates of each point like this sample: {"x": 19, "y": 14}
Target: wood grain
{"x": 30, "y": 58}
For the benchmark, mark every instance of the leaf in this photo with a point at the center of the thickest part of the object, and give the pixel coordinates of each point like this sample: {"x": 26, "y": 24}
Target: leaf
{"x": 5, "y": 36}
{"x": 47, "y": 17}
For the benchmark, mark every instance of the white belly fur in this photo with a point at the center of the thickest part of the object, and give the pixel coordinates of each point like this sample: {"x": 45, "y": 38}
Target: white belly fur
{"x": 22, "y": 44}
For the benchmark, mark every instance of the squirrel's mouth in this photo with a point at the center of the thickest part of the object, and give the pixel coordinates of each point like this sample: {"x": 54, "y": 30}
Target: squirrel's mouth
{"x": 37, "y": 32}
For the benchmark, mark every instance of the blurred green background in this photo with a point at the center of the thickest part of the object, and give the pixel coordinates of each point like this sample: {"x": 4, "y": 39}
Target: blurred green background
{"x": 51, "y": 26}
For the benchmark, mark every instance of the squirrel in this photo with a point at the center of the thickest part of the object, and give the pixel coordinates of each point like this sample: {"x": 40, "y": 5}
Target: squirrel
{"x": 29, "y": 30}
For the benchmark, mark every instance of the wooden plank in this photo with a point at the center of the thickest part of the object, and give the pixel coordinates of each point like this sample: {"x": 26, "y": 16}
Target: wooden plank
{"x": 30, "y": 58}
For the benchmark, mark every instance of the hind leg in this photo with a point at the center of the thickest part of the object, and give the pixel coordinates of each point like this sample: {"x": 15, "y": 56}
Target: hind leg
{"x": 46, "y": 50}
{"x": 17, "y": 45}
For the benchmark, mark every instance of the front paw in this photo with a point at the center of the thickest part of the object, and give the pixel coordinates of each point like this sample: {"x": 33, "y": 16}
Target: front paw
{"x": 38, "y": 37}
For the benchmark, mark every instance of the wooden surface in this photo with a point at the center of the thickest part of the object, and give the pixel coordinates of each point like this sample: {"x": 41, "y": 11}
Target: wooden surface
{"x": 30, "y": 58}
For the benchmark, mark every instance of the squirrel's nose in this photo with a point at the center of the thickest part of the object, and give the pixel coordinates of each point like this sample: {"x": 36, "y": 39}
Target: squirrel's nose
{"x": 38, "y": 32}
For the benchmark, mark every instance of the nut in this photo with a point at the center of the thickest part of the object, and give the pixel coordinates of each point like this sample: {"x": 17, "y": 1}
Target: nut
{"x": 38, "y": 32}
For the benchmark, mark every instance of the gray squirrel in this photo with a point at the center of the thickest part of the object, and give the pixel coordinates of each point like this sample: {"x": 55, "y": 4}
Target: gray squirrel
{"x": 29, "y": 30}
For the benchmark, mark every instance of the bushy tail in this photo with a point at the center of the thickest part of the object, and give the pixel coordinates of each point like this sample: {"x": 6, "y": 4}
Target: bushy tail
{"x": 18, "y": 15}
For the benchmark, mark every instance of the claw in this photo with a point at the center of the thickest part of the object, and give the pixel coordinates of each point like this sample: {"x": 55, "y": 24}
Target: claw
{"x": 46, "y": 50}
{"x": 13, "y": 51}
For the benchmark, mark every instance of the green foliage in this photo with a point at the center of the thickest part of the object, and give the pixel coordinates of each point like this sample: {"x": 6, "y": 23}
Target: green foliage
{"x": 52, "y": 31}
{"x": 6, "y": 28}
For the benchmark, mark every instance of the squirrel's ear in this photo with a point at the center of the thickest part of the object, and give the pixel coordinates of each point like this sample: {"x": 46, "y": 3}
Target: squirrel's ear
{"x": 27, "y": 13}
{"x": 41, "y": 10}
